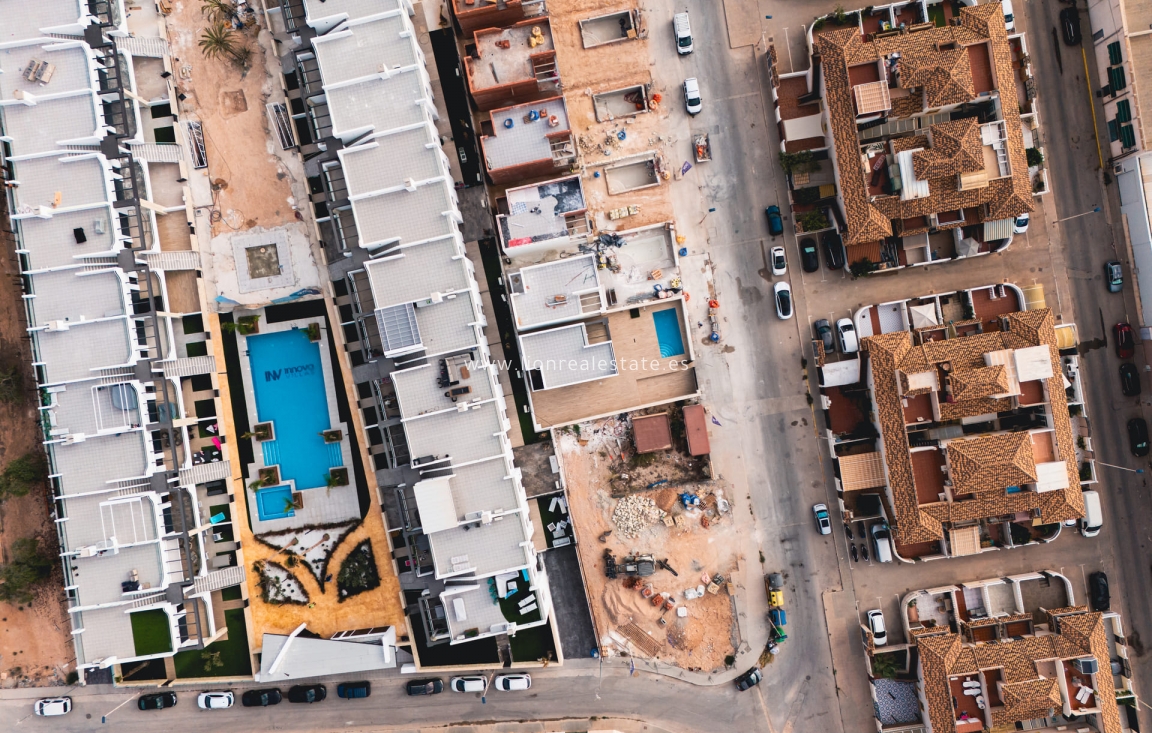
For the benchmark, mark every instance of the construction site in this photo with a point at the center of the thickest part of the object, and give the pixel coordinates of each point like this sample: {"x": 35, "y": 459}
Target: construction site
{"x": 655, "y": 535}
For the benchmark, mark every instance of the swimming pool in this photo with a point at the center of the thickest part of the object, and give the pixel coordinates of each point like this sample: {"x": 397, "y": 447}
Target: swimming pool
{"x": 668, "y": 332}
{"x": 274, "y": 503}
{"x": 288, "y": 380}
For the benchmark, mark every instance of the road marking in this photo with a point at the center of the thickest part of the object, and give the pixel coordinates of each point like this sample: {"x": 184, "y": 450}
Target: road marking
{"x": 764, "y": 708}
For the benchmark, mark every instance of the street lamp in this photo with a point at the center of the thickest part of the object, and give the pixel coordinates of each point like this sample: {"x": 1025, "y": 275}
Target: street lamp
{"x": 1122, "y": 468}
{"x": 1077, "y": 216}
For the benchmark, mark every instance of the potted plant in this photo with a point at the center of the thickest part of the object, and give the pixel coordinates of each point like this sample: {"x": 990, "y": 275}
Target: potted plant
{"x": 337, "y": 477}
{"x": 313, "y": 332}
{"x": 262, "y": 431}
{"x": 332, "y": 436}
{"x": 269, "y": 476}
{"x": 245, "y": 325}
{"x": 297, "y": 500}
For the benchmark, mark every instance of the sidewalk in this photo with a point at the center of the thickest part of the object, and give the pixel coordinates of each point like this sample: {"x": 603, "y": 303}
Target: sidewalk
{"x": 592, "y": 725}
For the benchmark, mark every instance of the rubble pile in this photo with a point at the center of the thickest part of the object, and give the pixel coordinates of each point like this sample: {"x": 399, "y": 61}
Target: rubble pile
{"x": 634, "y": 513}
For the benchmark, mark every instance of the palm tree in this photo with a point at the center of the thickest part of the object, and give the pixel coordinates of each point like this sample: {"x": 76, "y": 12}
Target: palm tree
{"x": 218, "y": 11}
{"x": 220, "y": 40}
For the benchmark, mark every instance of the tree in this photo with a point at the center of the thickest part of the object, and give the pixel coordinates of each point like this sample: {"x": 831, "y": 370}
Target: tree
{"x": 28, "y": 566}
{"x": 220, "y": 40}
{"x": 20, "y": 475}
{"x": 218, "y": 11}
{"x": 1035, "y": 157}
{"x": 861, "y": 267}
{"x": 813, "y": 221}
{"x": 802, "y": 162}
{"x": 884, "y": 665}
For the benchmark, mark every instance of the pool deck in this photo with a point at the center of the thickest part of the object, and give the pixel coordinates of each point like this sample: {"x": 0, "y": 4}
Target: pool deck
{"x": 321, "y": 505}
{"x": 637, "y": 384}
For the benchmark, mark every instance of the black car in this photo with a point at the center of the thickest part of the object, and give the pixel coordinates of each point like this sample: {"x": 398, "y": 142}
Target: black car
{"x": 1138, "y": 436}
{"x": 353, "y": 690}
{"x": 425, "y": 687}
{"x": 749, "y": 679}
{"x": 1129, "y": 380}
{"x": 158, "y": 701}
{"x": 1070, "y": 24}
{"x": 824, "y": 333}
{"x": 833, "y": 249}
{"x": 809, "y": 260}
{"x": 1098, "y": 591}
{"x": 307, "y": 693}
{"x": 263, "y": 698}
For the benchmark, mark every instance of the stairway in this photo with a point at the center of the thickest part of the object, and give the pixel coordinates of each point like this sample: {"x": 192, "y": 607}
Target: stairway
{"x": 181, "y": 259}
{"x": 218, "y": 579}
{"x": 597, "y": 333}
{"x": 590, "y": 302}
{"x": 152, "y": 47}
{"x": 157, "y": 152}
{"x": 271, "y": 453}
{"x": 147, "y": 600}
{"x": 115, "y": 375}
{"x": 204, "y": 473}
{"x": 189, "y": 366}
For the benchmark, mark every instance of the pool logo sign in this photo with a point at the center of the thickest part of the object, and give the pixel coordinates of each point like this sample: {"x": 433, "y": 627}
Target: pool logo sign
{"x": 304, "y": 370}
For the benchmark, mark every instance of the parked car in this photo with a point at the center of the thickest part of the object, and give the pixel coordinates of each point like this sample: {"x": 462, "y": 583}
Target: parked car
{"x": 1009, "y": 16}
{"x": 876, "y": 626}
{"x": 52, "y": 706}
{"x": 1125, "y": 340}
{"x": 692, "y": 101}
{"x": 1138, "y": 436}
{"x": 1093, "y": 520}
{"x": 158, "y": 701}
{"x": 218, "y": 700}
{"x": 1070, "y": 25}
{"x": 683, "y": 32}
{"x": 778, "y": 261}
{"x": 1129, "y": 379}
{"x": 846, "y": 335}
{"x": 425, "y": 687}
{"x": 1098, "y": 593}
{"x": 809, "y": 260}
{"x": 783, "y": 294}
{"x": 833, "y": 249}
{"x": 307, "y": 693}
{"x": 509, "y": 682}
{"x": 823, "y": 523}
{"x": 475, "y": 683}
{"x": 775, "y": 223}
{"x": 824, "y": 333}
{"x": 749, "y": 679}
{"x": 881, "y": 542}
{"x": 261, "y": 698}
{"x": 1021, "y": 224}
{"x": 353, "y": 690}
{"x": 1114, "y": 276}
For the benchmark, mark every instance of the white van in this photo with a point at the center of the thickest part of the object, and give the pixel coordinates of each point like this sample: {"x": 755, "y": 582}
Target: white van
{"x": 881, "y": 543}
{"x": 683, "y": 33}
{"x": 1093, "y": 520}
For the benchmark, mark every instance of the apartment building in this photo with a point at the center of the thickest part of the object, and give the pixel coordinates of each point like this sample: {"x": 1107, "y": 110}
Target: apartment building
{"x": 1014, "y": 652}
{"x": 414, "y": 322}
{"x": 909, "y": 133}
{"x": 512, "y": 64}
{"x": 121, "y": 355}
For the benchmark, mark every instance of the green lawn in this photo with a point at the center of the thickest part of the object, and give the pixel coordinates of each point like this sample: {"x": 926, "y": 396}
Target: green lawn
{"x": 231, "y": 593}
{"x": 529, "y": 645}
{"x": 152, "y": 632}
{"x": 510, "y": 607}
{"x": 234, "y": 658}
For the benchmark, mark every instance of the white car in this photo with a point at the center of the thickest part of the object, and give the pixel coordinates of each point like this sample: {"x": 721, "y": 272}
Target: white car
{"x": 509, "y": 682}
{"x": 51, "y": 706}
{"x": 876, "y": 625}
{"x": 1021, "y": 225}
{"x": 692, "y": 96}
{"x": 1009, "y": 18}
{"x": 475, "y": 683}
{"x": 823, "y": 520}
{"x": 779, "y": 263}
{"x": 215, "y": 700}
{"x": 846, "y": 335}
{"x": 783, "y": 292}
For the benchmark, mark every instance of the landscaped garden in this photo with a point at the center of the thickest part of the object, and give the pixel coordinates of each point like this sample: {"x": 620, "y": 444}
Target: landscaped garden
{"x": 358, "y": 572}
{"x": 311, "y": 546}
{"x": 226, "y": 658}
{"x": 152, "y": 632}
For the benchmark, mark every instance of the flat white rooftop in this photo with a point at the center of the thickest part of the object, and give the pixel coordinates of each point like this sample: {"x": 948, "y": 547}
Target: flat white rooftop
{"x": 415, "y": 273}
{"x": 557, "y": 291}
{"x": 52, "y": 242}
{"x": 367, "y": 47}
{"x": 523, "y": 142}
{"x": 380, "y": 104}
{"x": 25, "y": 20}
{"x": 419, "y": 392}
{"x": 407, "y": 215}
{"x": 537, "y": 214}
{"x": 84, "y": 349}
{"x": 486, "y": 549}
{"x": 66, "y": 295}
{"x": 51, "y": 123}
{"x": 474, "y": 434}
{"x": 351, "y": 9}
{"x": 69, "y": 72}
{"x": 80, "y": 180}
{"x": 94, "y": 465}
{"x": 562, "y": 356}
{"x": 392, "y": 160}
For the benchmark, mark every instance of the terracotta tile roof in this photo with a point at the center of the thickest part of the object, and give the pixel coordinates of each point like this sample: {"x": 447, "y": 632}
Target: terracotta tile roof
{"x": 891, "y": 353}
{"x": 945, "y": 75}
{"x": 1025, "y": 694}
{"x": 956, "y": 148}
{"x": 968, "y": 384}
{"x": 909, "y": 143}
{"x": 991, "y": 462}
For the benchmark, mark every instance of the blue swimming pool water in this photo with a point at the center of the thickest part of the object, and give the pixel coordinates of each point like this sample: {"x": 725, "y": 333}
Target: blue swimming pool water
{"x": 289, "y": 383}
{"x": 272, "y": 503}
{"x": 668, "y": 333}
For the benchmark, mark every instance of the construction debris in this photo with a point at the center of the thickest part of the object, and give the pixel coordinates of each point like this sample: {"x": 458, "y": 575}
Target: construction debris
{"x": 635, "y": 513}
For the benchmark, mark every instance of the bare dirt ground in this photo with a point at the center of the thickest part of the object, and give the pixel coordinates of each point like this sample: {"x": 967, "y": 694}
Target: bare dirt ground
{"x": 593, "y": 468}
{"x": 251, "y": 186}
{"x": 35, "y": 639}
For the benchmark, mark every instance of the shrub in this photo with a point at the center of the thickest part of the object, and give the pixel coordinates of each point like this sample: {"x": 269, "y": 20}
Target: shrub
{"x": 812, "y": 221}
{"x": 884, "y": 665}
{"x": 802, "y": 162}
{"x": 11, "y": 385}
{"x": 29, "y": 565}
{"x": 862, "y": 267}
{"x": 358, "y": 572}
{"x": 808, "y": 195}
{"x": 20, "y": 475}
{"x": 1035, "y": 157}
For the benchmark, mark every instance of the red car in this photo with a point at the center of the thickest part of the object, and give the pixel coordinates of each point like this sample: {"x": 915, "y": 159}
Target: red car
{"x": 1125, "y": 341}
